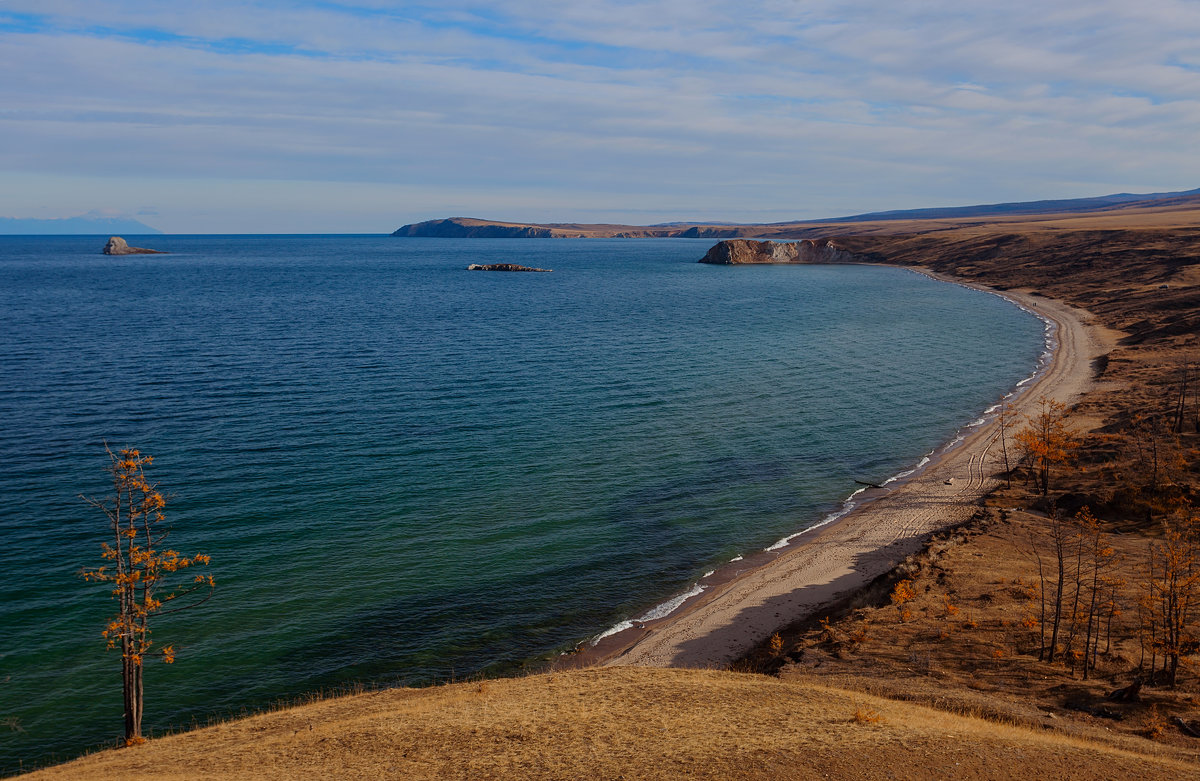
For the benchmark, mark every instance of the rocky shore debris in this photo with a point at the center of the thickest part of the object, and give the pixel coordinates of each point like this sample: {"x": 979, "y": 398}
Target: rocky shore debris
{"x": 504, "y": 267}
{"x": 118, "y": 246}
{"x": 736, "y": 251}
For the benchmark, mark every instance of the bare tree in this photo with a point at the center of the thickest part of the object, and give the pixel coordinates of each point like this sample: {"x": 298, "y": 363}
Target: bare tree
{"x": 1174, "y": 590}
{"x": 139, "y": 571}
{"x": 1004, "y": 421}
{"x": 1046, "y": 440}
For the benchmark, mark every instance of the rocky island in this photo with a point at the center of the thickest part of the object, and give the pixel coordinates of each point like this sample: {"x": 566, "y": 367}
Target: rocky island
{"x": 739, "y": 251}
{"x": 504, "y": 267}
{"x": 118, "y": 246}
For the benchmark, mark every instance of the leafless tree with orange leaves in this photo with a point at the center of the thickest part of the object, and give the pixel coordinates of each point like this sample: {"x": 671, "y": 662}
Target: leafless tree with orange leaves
{"x": 146, "y": 577}
{"x": 1171, "y": 610}
{"x": 1046, "y": 440}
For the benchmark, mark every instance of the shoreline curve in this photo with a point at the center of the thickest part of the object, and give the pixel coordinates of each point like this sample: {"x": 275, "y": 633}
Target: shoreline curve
{"x": 740, "y": 607}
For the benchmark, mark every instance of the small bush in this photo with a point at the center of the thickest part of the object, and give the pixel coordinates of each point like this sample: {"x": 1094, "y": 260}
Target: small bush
{"x": 1156, "y": 725}
{"x": 866, "y": 716}
{"x": 903, "y": 592}
{"x": 859, "y": 635}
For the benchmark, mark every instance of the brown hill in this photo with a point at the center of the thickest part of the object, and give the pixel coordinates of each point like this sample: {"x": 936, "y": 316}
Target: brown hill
{"x": 620, "y": 723}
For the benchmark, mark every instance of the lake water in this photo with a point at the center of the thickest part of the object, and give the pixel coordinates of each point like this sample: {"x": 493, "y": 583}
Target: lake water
{"x": 406, "y": 472}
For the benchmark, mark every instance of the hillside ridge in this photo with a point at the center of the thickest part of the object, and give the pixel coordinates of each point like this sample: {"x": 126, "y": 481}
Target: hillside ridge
{"x": 474, "y": 227}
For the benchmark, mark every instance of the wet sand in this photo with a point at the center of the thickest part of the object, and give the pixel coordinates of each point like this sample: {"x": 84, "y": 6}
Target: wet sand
{"x": 742, "y": 607}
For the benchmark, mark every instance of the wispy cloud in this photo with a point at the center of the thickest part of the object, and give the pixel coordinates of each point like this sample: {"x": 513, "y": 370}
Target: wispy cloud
{"x": 654, "y": 110}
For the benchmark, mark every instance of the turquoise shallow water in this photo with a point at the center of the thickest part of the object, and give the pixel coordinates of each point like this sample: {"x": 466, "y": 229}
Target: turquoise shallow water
{"x": 406, "y": 472}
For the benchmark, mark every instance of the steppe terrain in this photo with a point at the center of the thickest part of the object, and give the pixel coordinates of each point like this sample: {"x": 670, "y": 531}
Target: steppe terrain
{"x": 946, "y": 683}
{"x": 631, "y": 723}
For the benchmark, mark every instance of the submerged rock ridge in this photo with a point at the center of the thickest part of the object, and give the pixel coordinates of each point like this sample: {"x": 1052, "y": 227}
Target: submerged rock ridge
{"x": 737, "y": 251}
{"x": 504, "y": 267}
{"x": 118, "y": 246}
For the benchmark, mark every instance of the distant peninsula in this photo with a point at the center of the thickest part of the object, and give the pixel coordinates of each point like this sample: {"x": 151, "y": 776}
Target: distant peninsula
{"x": 1118, "y": 205}
{"x": 471, "y": 228}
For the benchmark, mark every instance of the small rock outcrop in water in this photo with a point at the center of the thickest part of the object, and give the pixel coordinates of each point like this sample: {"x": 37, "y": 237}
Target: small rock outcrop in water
{"x": 735, "y": 251}
{"x": 117, "y": 246}
{"x": 504, "y": 267}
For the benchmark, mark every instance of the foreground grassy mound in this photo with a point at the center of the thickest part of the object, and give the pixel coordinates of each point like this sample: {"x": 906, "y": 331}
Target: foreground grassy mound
{"x": 620, "y": 723}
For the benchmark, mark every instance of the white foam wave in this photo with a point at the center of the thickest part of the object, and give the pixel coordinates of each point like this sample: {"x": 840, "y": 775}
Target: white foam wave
{"x": 783, "y": 543}
{"x": 901, "y": 475}
{"x": 658, "y": 611}
{"x": 847, "y": 507}
{"x": 671, "y": 605}
{"x": 710, "y": 573}
{"x": 737, "y": 558}
{"x": 620, "y": 626}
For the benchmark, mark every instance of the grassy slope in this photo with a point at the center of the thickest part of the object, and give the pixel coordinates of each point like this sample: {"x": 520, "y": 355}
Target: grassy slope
{"x": 648, "y": 723}
{"x": 618, "y": 723}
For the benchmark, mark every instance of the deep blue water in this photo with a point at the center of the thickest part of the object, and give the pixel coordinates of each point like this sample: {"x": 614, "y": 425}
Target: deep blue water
{"x": 407, "y": 472}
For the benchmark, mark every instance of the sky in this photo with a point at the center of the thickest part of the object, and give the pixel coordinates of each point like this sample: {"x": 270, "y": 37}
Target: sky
{"x": 275, "y": 117}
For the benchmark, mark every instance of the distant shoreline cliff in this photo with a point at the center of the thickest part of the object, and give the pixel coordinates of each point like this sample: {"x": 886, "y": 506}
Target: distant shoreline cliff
{"x": 732, "y": 252}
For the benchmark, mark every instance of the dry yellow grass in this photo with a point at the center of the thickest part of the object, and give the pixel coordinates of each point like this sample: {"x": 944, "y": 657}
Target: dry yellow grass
{"x": 618, "y": 723}
{"x": 824, "y": 719}
{"x": 982, "y": 657}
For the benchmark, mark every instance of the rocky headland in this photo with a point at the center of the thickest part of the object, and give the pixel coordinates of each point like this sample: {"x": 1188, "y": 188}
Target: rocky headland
{"x": 504, "y": 267}
{"x": 118, "y": 246}
{"x": 739, "y": 251}
{"x": 471, "y": 228}
{"x": 467, "y": 228}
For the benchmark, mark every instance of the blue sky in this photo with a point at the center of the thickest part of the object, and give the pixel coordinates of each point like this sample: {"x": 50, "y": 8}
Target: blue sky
{"x": 360, "y": 116}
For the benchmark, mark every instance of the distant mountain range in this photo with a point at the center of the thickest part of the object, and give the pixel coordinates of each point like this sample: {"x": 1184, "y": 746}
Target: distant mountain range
{"x": 470, "y": 227}
{"x": 85, "y": 225}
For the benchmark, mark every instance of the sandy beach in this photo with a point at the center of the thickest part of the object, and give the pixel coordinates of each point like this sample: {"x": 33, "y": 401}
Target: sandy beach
{"x": 819, "y": 568}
